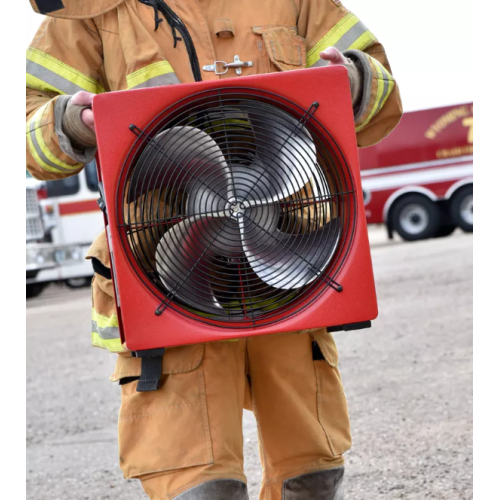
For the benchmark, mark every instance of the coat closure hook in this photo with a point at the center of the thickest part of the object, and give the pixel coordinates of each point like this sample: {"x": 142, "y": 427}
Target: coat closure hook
{"x": 237, "y": 65}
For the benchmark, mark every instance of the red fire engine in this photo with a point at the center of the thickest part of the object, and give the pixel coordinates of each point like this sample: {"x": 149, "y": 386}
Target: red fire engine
{"x": 418, "y": 181}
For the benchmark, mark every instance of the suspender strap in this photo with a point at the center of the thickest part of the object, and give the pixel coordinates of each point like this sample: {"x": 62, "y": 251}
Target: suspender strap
{"x": 150, "y": 369}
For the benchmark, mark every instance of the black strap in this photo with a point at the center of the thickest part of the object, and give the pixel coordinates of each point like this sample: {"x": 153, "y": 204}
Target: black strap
{"x": 176, "y": 38}
{"x": 151, "y": 369}
{"x": 317, "y": 353}
{"x": 46, "y": 6}
{"x": 154, "y": 4}
{"x": 100, "y": 268}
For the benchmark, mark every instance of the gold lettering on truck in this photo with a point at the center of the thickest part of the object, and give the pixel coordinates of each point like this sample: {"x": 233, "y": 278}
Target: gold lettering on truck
{"x": 468, "y": 122}
{"x": 447, "y": 119}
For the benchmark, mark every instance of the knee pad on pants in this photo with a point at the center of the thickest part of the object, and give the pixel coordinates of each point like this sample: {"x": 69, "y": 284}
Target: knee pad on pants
{"x": 320, "y": 485}
{"x": 220, "y": 489}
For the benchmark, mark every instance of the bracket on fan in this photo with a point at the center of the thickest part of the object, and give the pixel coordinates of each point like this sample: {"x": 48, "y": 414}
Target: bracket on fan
{"x": 329, "y": 281}
{"x": 136, "y": 130}
{"x": 101, "y": 201}
{"x": 349, "y": 327}
{"x": 164, "y": 304}
{"x": 308, "y": 114}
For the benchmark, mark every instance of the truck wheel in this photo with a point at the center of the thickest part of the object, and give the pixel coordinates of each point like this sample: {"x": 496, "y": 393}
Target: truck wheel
{"x": 78, "y": 282}
{"x": 461, "y": 209}
{"x": 34, "y": 289}
{"x": 415, "y": 217}
{"x": 445, "y": 231}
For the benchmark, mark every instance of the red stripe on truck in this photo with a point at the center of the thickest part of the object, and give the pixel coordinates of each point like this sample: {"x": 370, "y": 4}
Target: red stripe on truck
{"x": 78, "y": 207}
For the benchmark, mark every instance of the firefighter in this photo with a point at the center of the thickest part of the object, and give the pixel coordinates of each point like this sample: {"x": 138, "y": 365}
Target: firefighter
{"x": 184, "y": 441}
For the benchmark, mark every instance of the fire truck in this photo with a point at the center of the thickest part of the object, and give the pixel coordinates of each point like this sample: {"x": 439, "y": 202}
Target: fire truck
{"x": 419, "y": 181}
{"x": 62, "y": 220}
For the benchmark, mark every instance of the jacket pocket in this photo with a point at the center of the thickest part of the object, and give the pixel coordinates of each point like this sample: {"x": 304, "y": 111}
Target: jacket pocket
{"x": 333, "y": 414}
{"x": 285, "y": 49}
{"x": 167, "y": 429}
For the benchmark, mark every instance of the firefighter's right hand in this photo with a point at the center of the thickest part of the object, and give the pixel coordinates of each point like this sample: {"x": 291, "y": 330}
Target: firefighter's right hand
{"x": 83, "y": 98}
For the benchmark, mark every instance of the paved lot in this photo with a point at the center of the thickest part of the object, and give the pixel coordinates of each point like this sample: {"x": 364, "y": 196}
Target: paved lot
{"x": 408, "y": 382}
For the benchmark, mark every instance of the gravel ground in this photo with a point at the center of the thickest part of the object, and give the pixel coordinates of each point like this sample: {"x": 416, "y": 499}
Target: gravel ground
{"x": 408, "y": 381}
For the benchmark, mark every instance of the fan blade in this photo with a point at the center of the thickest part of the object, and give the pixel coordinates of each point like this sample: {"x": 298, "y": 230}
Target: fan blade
{"x": 179, "y": 158}
{"x": 286, "y": 149}
{"x": 185, "y": 258}
{"x": 288, "y": 261}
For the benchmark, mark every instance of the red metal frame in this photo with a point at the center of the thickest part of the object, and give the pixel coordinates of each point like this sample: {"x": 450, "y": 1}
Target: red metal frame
{"x": 140, "y": 327}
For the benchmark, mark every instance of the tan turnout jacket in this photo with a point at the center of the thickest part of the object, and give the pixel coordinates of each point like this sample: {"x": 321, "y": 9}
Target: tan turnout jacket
{"x": 109, "y": 45}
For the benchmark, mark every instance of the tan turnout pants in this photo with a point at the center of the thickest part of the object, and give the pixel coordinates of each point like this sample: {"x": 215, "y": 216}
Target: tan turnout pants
{"x": 190, "y": 430}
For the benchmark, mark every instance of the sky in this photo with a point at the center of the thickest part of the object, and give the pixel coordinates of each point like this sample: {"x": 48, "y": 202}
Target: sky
{"x": 429, "y": 45}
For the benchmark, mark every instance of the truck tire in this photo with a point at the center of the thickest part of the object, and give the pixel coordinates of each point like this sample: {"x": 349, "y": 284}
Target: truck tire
{"x": 445, "y": 230}
{"x": 461, "y": 209}
{"x": 34, "y": 290}
{"x": 78, "y": 282}
{"x": 415, "y": 217}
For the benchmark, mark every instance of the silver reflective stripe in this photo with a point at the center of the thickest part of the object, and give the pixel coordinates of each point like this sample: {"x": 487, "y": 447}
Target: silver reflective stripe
{"x": 351, "y": 36}
{"x": 38, "y": 149}
{"x": 346, "y": 41}
{"x": 385, "y": 91}
{"x": 107, "y": 333}
{"x": 158, "y": 81}
{"x": 53, "y": 79}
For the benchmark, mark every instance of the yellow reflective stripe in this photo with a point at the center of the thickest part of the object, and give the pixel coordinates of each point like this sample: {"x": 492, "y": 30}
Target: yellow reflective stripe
{"x": 151, "y": 71}
{"x": 71, "y": 75}
{"x": 40, "y": 151}
{"x": 35, "y": 83}
{"x": 48, "y": 153}
{"x": 347, "y": 23}
{"x": 104, "y": 321}
{"x": 112, "y": 345}
{"x": 105, "y": 332}
{"x": 45, "y": 149}
{"x": 31, "y": 146}
{"x": 385, "y": 85}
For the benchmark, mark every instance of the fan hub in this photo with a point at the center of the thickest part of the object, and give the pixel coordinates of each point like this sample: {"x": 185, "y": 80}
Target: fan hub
{"x": 235, "y": 209}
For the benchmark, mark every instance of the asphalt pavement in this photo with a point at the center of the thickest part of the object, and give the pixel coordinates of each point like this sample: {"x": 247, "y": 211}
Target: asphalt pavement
{"x": 408, "y": 381}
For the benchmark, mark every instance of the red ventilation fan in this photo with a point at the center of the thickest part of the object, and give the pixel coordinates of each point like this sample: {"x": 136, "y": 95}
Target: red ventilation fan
{"x": 234, "y": 208}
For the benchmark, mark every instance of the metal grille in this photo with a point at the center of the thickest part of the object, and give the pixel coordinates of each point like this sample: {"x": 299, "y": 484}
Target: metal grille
{"x": 237, "y": 207}
{"x": 34, "y": 224}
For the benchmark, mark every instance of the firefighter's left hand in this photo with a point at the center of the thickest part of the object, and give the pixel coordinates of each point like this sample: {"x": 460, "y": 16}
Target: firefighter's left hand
{"x": 334, "y": 57}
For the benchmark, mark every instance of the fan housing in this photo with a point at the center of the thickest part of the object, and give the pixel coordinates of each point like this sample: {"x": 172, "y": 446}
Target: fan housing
{"x": 233, "y": 209}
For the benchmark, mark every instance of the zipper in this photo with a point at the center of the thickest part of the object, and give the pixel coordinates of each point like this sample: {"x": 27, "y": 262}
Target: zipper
{"x": 176, "y": 23}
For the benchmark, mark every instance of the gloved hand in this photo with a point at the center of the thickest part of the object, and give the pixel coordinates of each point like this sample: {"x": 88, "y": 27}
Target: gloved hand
{"x": 78, "y": 120}
{"x": 335, "y": 57}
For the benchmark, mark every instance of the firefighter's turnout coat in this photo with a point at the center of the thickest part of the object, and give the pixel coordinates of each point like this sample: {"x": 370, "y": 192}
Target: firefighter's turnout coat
{"x": 110, "y": 45}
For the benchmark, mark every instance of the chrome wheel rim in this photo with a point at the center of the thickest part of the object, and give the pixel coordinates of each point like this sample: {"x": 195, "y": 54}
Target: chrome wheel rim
{"x": 466, "y": 209}
{"x": 414, "y": 219}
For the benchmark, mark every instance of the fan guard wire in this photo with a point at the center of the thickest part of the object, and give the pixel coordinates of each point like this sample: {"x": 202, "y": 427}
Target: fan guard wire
{"x": 238, "y": 207}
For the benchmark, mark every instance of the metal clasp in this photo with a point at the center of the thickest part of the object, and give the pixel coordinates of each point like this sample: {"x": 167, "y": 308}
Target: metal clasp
{"x": 237, "y": 65}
